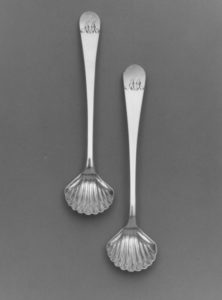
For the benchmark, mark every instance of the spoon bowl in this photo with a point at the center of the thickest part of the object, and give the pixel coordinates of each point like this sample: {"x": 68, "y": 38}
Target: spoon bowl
{"x": 88, "y": 194}
{"x": 131, "y": 249}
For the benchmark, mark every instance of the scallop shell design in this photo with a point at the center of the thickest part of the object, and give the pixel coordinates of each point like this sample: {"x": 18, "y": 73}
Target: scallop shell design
{"x": 131, "y": 250}
{"x": 89, "y": 194}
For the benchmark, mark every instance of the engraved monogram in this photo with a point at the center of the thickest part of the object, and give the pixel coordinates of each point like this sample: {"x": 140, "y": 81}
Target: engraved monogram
{"x": 135, "y": 85}
{"x": 90, "y": 28}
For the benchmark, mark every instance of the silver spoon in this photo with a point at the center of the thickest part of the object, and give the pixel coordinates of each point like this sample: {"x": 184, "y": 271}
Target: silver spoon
{"x": 131, "y": 249}
{"x": 88, "y": 193}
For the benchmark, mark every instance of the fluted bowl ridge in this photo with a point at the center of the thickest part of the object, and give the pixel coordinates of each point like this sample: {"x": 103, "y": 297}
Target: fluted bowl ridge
{"x": 131, "y": 249}
{"x": 89, "y": 194}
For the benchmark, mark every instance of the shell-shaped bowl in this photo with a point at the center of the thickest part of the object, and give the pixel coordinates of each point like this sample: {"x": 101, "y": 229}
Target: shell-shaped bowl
{"x": 89, "y": 194}
{"x": 131, "y": 250}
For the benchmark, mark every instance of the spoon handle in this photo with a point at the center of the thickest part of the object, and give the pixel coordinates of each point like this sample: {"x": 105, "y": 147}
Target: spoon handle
{"x": 89, "y": 25}
{"x": 134, "y": 79}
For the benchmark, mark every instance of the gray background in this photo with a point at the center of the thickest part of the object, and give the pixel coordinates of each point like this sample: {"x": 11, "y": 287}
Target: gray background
{"x": 49, "y": 252}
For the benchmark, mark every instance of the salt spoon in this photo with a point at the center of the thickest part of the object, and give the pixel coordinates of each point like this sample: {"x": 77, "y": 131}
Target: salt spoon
{"x": 131, "y": 249}
{"x": 88, "y": 193}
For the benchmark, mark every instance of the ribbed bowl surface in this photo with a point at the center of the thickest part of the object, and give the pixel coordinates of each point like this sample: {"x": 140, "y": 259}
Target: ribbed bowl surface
{"x": 89, "y": 194}
{"x": 131, "y": 250}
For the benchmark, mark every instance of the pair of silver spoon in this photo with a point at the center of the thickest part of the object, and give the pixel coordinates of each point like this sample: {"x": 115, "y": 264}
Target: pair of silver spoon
{"x": 130, "y": 249}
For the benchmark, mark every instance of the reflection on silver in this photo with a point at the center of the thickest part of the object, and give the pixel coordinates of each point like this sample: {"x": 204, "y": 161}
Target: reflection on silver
{"x": 131, "y": 249}
{"x": 88, "y": 193}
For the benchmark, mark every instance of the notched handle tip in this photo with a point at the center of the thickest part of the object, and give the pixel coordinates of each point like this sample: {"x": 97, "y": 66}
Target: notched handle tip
{"x": 134, "y": 78}
{"x": 89, "y": 22}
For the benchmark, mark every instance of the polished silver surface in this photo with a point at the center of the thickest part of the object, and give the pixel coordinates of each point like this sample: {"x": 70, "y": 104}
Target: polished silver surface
{"x": 131, "y": 249}
{"x": 88, "y": 193}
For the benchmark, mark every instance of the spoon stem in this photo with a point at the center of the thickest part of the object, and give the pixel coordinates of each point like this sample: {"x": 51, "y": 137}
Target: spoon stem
{"x": 89, "y": 24}
{"x": 134, "y": 79}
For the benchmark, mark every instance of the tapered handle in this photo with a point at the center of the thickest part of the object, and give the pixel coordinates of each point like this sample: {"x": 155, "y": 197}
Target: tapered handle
{"x": 89, "y": 25}
{"x": 134, "y": 79}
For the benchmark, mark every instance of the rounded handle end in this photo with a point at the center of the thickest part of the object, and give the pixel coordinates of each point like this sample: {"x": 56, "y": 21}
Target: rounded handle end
{"x": 89, "y": 22}
{"x": 134, "y": 78}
